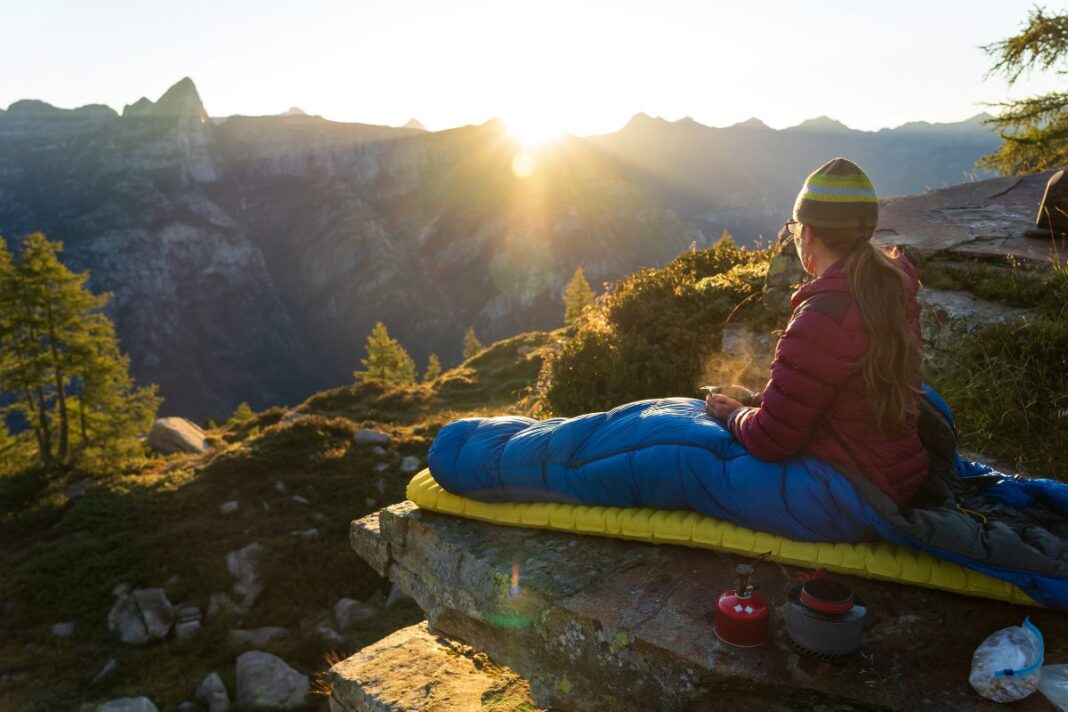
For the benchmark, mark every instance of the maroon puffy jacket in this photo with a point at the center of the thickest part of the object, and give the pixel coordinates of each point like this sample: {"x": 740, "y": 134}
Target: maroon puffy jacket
{"x": 815, "y": 402}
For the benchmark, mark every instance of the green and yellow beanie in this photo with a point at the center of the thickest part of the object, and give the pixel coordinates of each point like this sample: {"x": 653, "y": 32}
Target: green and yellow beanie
{"x": 838, "y": 194}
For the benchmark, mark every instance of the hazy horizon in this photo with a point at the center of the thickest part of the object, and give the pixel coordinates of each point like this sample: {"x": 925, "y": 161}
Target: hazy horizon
{"x": 584, "y": 69}
{"x": 119, "y": 109}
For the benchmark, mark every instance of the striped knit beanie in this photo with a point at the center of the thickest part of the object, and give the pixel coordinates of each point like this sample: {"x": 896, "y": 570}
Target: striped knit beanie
{"x": 838, "y": 194}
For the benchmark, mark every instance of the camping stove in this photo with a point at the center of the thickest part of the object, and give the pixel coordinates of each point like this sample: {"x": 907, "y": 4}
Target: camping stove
{"x": 824, "y": 619}
{"x": 741, "y": 614}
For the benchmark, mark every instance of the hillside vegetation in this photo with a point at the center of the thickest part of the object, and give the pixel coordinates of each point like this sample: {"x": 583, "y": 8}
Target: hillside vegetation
{"x": 299, "y": 476}
{"x": 657, "y": 332}
{"x": 158, "y": 524}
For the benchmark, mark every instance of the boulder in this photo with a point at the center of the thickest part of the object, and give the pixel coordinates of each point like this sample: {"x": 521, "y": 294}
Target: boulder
{"x": 599, "y": 623}
{"x": 977, "y": 219}
{"x": 212, "y": 694}
{"x": 141, "y": 615}
{"x": 378, "y": 451}
{"x": 187, "y": 622}
{"x": 221, "y": 603}
{"x": 243, "y": 565}
{"x": 125, "y": 619}
{"x": 412, "y": 667}
{"x": 348, "y": 612}
{"x": 304, "y": 501}
{"x": 366, "y": 436}
{"x": 171, "y": 435}
{"x": 265, "y": 681}
{"x": 306, "y": 534}
{"x": 156, "y": 611}
{"x": 128, "y": 704}
{"x": 239, "y": 639}
{"x": 227, "y": 507}
{"x": 947, "y": 315}
{"x": 63, "y": 630}
{"x": 410, "y": 465}
{"x": 325, "y": 632}
{"x": 77, "y": 489}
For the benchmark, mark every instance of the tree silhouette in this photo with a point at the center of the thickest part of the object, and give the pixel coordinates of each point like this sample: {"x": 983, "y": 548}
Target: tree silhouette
{"x": 1035, "y": 129}
{"x": 60, "y": 364}
{"x": 387, "y": 361}
{"x": 471, "y": 343}
{"x": 577, "y": 296}
{"x": 433, "y": 368}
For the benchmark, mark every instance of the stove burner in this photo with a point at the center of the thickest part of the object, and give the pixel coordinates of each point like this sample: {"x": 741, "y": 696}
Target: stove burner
{"x": 824, "y": 619}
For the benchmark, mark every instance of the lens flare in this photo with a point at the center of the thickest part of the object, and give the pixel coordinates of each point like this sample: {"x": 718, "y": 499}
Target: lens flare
{"x": 524, "y": 164}
{"x": 514, "y": 589}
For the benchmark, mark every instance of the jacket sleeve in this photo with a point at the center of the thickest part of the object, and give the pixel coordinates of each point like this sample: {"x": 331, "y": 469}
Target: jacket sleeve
{"x": 812, "y": 360}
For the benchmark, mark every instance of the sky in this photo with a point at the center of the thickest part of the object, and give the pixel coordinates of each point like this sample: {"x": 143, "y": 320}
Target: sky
{"x": 583, "y": 66}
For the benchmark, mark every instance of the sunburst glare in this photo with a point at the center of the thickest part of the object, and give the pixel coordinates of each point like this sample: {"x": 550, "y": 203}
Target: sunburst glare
{"x": 524, "y": 163}
{"x": 533, "y": 130}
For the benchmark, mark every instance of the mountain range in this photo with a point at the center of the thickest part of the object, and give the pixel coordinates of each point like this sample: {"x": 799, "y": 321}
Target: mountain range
{"x": 249, "y": 257}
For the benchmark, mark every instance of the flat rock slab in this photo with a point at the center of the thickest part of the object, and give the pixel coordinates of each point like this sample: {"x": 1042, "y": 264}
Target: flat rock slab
{"x": 414, "y": 669}
{"x": 594, "y": 623}
{"x": 983, "y": 218}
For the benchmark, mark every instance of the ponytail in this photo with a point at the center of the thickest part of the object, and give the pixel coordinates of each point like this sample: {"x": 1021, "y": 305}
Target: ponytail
{"x": 892, "y": 364}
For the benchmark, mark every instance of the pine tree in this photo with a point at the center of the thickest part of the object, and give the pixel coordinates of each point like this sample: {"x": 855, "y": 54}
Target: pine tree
{"x": 577, "y": 296}
{"x": 112, "y": 410}
{"x": 433, "y": 368}
{"x": 472, "y": 345}
{"x": 60, "y": 363}
{"x": 386, "y": 361}
{"x": 243, "y": 411}
{"x": 1035, "y": 129}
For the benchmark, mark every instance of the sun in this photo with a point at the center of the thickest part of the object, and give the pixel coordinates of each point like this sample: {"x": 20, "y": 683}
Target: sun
{"x": 533, "y": 131}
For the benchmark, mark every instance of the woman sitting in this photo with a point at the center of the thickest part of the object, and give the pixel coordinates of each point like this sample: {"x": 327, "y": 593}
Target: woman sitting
{"x": 846, "y": 376}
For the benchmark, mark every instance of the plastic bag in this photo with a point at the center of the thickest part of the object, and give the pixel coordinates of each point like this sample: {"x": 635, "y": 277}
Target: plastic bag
{"x": 1006, "y": 666}
{"x": 1053, "y": 683}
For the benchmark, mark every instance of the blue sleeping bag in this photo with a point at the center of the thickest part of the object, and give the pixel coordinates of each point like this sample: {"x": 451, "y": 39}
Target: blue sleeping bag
{"x": 669, "y": 454}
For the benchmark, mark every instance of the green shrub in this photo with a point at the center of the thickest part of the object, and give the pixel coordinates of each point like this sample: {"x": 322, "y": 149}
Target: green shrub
{"x": 1008, "y": 387}
{"x": 1011, "y": 283}
{"x": 653, "y": 332}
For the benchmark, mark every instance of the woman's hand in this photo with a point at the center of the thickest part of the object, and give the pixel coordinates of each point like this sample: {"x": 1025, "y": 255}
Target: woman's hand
{"x": 720, "y": 406}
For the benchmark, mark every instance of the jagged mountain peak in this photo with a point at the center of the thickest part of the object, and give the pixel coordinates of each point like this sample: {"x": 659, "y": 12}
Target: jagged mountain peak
{"x": 821, "y": 123}
{"x": 643, "y": 118}
{"x": 182, "y": 100}
{"x": 750, "y": 123}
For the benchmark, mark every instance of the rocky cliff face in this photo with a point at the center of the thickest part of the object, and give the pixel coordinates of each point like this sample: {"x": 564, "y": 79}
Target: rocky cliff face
{"x": 194, "y": 301}
{"x": 249, "y": 257}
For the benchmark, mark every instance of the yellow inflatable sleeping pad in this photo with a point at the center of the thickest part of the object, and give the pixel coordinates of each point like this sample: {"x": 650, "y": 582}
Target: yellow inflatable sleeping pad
{"x": 877, "y": 559}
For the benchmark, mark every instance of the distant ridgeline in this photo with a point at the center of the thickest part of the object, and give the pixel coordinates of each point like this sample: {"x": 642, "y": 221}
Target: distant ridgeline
{"x": 249, "y": 257}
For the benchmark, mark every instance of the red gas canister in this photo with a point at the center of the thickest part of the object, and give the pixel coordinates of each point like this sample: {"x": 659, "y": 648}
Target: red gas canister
{"x": 741, "y": 613}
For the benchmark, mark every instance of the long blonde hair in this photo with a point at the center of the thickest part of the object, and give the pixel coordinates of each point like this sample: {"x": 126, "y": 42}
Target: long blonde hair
{"x": 892, "y": 365}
